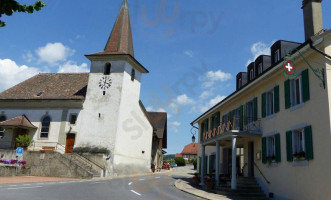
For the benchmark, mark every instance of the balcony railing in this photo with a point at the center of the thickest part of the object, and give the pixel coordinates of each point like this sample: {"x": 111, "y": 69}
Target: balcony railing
{"x": 234, "y": 126}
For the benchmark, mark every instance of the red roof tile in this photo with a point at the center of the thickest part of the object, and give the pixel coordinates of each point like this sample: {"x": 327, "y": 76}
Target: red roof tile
{"x": 18, "y": 122}
{"x": 190, "y": 149}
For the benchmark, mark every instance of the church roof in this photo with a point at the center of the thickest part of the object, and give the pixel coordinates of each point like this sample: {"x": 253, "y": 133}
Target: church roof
{"x": 18, "y": 122}
{"x": 120, "y": 39}
{"x": 57, "y": 86}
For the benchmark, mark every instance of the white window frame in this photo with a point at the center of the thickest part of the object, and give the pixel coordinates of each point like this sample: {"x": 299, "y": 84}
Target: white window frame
{"x": 251, "y": 74}
{"x": 293, "y": 91}
{"x": 269, "y": 102}
{"x": 250, "y": 112}
{"x": 259, "y": 69}
{"x": 277, "y": 56}
{"x": 298, "y": 141}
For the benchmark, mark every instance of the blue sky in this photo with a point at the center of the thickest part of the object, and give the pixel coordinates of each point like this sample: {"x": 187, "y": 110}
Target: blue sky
{"x": 193, "y": 49}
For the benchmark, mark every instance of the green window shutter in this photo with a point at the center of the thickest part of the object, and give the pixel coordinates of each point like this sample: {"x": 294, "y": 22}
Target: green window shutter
{"x": 230, "y": 119}
{"x": 277, "y": 148}
{"x": 255, "y": 108}
{"x": 199, "y": 169}
{"x": 205, "y": 166}
{"x": 212, "y": 122}
{"x": 223, "y": 119}
{"x": 263, "y": 108}
{"x": 217, "y": 119}
{"x": 207, "y": 125}
{"x": 241, "y": 117}
{"x": 276, "y": 99}
{"x": 264, "y": 150}
{"x": 287, "y": 94}
{"x": 245, "y": 114}
{"x": 289, "y": 149}
{"x": 201, "y": 131}
{"x": 305, "y": 85}
{"x": 309, "y": 143}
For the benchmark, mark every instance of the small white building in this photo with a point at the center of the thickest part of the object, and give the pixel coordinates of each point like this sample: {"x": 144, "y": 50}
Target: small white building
{"x": 96, "y": 110}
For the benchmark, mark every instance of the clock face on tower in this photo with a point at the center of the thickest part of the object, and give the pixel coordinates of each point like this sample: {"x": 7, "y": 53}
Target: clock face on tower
{"x": 105, "y": 82}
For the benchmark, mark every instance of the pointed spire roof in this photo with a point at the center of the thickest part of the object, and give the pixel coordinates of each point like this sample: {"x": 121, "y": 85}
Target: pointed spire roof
{"x": 120, "y": 39}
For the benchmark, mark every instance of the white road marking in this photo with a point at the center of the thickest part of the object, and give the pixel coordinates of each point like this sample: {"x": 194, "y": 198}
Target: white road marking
{"x": 40, "y": 183}
{"x": 130, "y": 183}
{"x": 24, "y": 188}
{"x": 12, "y": 185}
{"x": 135, "y": 192}
{"x": 141, "y": 179}
{"x": 26, "y": 184}
{"x": 158, "y": 177}
{"x": 62, "y": 182}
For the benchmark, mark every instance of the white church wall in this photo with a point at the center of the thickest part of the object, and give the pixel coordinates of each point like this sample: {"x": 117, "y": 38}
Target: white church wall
{"x": 134, "y": 133}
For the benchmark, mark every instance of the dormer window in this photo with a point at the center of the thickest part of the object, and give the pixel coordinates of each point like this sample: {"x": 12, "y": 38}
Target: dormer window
{"x": 239, "y": 82}
{"x": 251, "y": 74}
{"x": 107, "y": 69}
{"x": 259, "y": 69}
{"x": 133, "y": 74}
{"x": 276, "y": 56}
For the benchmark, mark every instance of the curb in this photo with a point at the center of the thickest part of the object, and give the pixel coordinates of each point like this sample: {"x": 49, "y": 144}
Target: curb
{"x": 185, "y": 187}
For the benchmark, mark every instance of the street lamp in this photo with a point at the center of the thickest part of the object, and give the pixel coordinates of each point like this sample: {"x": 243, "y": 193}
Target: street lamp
{"x": 193, "y": 132}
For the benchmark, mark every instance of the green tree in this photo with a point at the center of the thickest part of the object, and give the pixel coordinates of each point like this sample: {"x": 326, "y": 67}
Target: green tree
{"x": 8, "y": 7}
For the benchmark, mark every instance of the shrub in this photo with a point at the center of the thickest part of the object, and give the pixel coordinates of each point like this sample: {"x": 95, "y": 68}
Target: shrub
{"x": 194, "y": 161}
{"x": 180, "y": 162}
{"x": 23, "y": 141}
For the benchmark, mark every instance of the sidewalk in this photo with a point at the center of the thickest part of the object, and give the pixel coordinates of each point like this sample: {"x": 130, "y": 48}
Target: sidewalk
{"x": 31, "y": 179}
{"x": 185, "y": 186}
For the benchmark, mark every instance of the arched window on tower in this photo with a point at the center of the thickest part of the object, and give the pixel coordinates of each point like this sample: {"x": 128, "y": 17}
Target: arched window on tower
{"x": 107, "y": 69}
{"x": 45, "y": 123}
{"x": 133, "y": 74}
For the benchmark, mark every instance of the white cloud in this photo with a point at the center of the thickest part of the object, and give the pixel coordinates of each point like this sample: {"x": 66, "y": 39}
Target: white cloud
{"x": 72, "y": 67}
{"x": 189, "y": 53}
{"x": 257, "y": 49}
{"x": 212, "y": 77}
{"x": 204, "y": 106}
{"x": 184, "y": 100}
{"x": 173, "y": 125}
{"x": 149, "y": 108}
{"x": 52, "y": 53}
{"x": 205, "y": 94}
{"x": 12, "y": 74}
{"x": 28, "y": 56}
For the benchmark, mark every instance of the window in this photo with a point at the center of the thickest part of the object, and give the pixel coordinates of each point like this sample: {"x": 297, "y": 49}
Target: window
{"x": 107, "y": 69}
{"x": 276, "y": 56}
{"x": 259, "y": 69}
{"x": 270, "y": 102}
{"x": 251, "y": 74}
{"x": 295, "y": 88}
{"x": 271, "y": 149}
{"x": 250, "y": 112}
{"x": 46, "y": 121}
{"x": 73, "y": 119}
{"x": 236, "y": 119}
{"x": 2, "y": 131}
{"x": 133, "y": 73}
{"x": 299, "y": 144}
{"x": 239, "y": 82}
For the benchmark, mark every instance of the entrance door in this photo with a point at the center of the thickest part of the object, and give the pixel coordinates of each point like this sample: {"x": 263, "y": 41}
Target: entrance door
{"x": 70, "y": 142}
{"x": 250, "y": 163}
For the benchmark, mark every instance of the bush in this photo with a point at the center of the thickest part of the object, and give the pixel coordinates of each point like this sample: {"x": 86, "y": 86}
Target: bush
{"x": 23, "y": 141}
{"x": 91, "y": 150}
{"x": 180, "y": 162}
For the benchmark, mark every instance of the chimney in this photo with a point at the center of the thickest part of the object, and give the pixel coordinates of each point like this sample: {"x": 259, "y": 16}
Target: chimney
{"x": 312, "y": 16}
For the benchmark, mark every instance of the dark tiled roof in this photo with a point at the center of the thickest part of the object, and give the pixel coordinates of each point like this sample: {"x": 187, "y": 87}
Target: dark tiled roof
{"x": 190, "y": 149}
{"x": 19, "y": 122}
{"x": 57, "y": 86}
{"x": 159, "y": 120}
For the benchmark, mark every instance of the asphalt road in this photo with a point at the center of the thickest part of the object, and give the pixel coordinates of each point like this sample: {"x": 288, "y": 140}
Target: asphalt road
{"x": 153, "y": 187}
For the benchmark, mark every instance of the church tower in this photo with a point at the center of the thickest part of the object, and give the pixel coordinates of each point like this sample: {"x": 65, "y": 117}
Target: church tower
{"x": 111, "y": 116}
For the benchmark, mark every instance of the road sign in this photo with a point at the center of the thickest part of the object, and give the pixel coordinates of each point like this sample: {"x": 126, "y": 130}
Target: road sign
{"x": 19, "y": 151}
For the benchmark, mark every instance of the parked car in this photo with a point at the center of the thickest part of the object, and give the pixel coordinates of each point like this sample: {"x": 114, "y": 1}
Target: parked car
{"x": 173, "y": 165}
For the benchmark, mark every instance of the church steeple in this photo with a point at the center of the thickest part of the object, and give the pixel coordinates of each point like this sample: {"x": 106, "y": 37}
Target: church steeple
{"x": 120, "y": 39}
